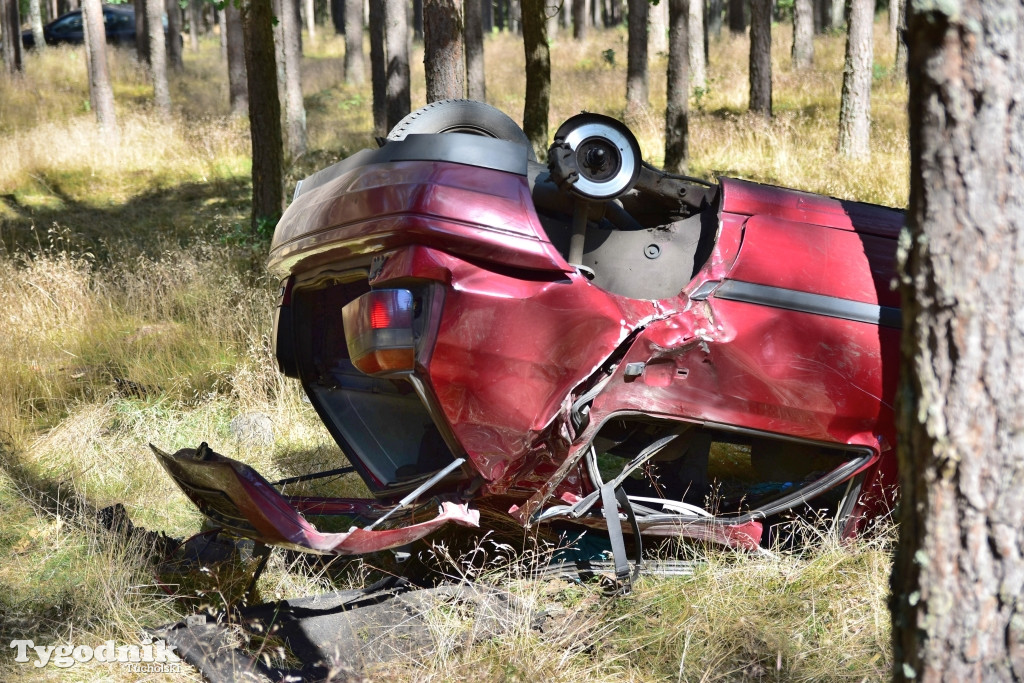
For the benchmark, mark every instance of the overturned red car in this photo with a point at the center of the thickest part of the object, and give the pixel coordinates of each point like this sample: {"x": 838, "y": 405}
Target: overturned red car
{"x": 591, "y": 342}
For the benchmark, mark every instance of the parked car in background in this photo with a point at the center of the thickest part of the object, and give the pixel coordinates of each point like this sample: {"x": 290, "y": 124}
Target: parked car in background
{"x": 119, "y": 21}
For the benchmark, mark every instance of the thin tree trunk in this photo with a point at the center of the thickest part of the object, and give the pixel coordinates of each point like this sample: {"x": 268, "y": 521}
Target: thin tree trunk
{"x": 35, "y": 20}
{"x": 310, "y": 11}
{"x": 378, "y": 67}
{"x": 714, "y": 20}
{"x": 737, "y": 17}
{"x": 677, "y": 109}
{"x": 222, "y": 26}
{"x": 552, "y": 18}
{"x": 238, "y": 88}
{"x": 354, "y": 69}
{"x": 958, "y": 574}
{"x": 442, "y": 50}
{"x": 538, "y": 76}
{"x": 838, "y": 13}
{"x": 894, "y": 18}
{"x": 761, "y": 56}
{"x": 193, "y": 25}
{"x": 476, "y": 86}
{"x": 855, "y": 105}
{"x": 174, "y": 41}
{"x": 695, "y": 40}
{"x": 579, "y": 19}
{"x": 142, "y": 50}
{"x": 803, "y": 34}
{"x": 101, "y": 94}
{"x": 637, "y": 95}
{"x": 158, "y": 56}
{"x": 264, "y": 115}
{"x": 295, "y": 110}
{"x": 900, "y": 67}
{"x": 658, "y": 25}
{"x": 396, "y": 47}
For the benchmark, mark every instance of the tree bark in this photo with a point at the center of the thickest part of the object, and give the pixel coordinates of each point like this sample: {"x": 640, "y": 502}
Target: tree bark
{"x": 174, "y": 40}
{"x": 101, "y": 93}
{"x": 442, "y": 50}
{"x": 803, "y": 34}
{"x": 396, "y": 48}
{"x": 237, "y": 85}
{"x": 158, "y": 56}
{"x": 193, "y": 25}
{"x": 222, "y": 24}
{"x": 695, "y": 40}
{"x": 900, "y": 67}
{"x": 142, "y": 51}
{"x": 637, "y": 94}
{"x": 958, "y": 574}
{"x": 855, "y": 105}
{"x": 476, "y": 85}
{"x": 378, "y": 67}
{"x": 658, "y": 24}
{"x": 677, "y": 110}
{"x": 838, "y": 13}
{"x": 354, "y": 69}
{"x": 579, "y": 19}
{"x": 737, "y": 17}
{"x": 551, "y": 12}
{"x": 761, "y": 56}
{"x": 295, "y": 109}
{"x": 10, "y": 16}
{"x": 310, "y": 10}
{"x": 894, "y": 17}
{"x": 538, "y": 76}
{"x": 264, "y": 116}
{"x": 35, "y": 21}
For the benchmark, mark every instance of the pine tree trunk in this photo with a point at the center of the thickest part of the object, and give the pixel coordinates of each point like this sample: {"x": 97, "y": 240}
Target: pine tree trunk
{"x": 579, "y": 19}
{"x": 714, "y": 21}
{"x": 803, "y": 34}
{"x": 10, "y": 16}
{"x": 142, "y": 51}
{"x": 310, "y": 11}
{"x": 442, "y": 50}
{"x": 837, "y": 13}
{"x": 396, "y": 47}
{"x": 378, "y": 67}
{"x": 695, "y": 39}
{"x": 855, "y": 105}
{"x": 552, "y": 17}
{"x": 894, "y": 18}
{"x": 238, "y": 88}
{"x": 354, "y": 69}
{"x": 761, "y": 56}
{"x": 35, "y": 21}
{"x": 174, "y": 41}
{"x": 264, "y": 115}
{"x": 677, "y": 109}
{"x": 958, "y": 575}
{"x": 636, "y": 59}
{"x": 295, "y": 110}
{"x": 193, "y": 25}
{"x": 737, "y": 17}
{"x": 222, "y": 24}
{"x": 538, "y": 76}
{"x": 658, "y": 25}
{"x": 900, "y": 67}
{"x": 476, "y": 87}
{"x": 101, "y": 93}
{"x": 158, "y": 56}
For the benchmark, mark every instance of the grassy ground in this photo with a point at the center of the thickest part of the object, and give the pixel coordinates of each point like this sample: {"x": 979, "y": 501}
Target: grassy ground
{"x": 136, "y": 310}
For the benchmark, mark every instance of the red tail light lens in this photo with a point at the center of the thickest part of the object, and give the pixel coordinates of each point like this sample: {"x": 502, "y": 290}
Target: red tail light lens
{"x": 379, "y": 331}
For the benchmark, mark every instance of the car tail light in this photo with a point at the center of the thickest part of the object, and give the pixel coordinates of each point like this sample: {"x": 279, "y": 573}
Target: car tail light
{"x": 379, "y": 331}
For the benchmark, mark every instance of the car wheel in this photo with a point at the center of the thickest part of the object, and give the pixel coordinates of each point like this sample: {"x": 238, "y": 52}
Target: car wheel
{"x": 461, "y": 116}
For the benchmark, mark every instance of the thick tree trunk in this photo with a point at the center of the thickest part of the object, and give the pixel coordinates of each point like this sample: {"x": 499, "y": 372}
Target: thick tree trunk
{"x": 35, "y": 22}
{"x": 174, "y": 40}
{"x": 476, "y": 86}
{"x": 142, "y": 51}
{"x": 713, "y": 24}
{"x": 803, "y": 34}
{"x": 238, "y": 88}
{"x": 10, "y": 16}
{"x": 579, "y": 19}
{"x": 295, "y": 109}
{"x": 658, "y": 25}
{"x": 354, "y": 69}
{"x": 442, "y": 50}
{"x": 761, "y": 56}
{"x": 636, "y": 58}
{"x": 396, "y": 48}
{"x": 158, "y": 56}
{"x": 378, "y": 67}
{"x": 958, "y": 576}
{"x": 101, "y": 94}
{"x": 264, "y": 115}
{"x": 193, "y": 25}
{"x": 855, "y": 106}
{"x": 677, "y": 109}
{"x": 695, "y": 35}
{"x": 737, "y": 17}
{"x": 538, "y": 76}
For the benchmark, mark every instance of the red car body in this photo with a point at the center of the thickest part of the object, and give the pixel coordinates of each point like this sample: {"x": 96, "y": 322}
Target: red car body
{"x": 762, "y": 350}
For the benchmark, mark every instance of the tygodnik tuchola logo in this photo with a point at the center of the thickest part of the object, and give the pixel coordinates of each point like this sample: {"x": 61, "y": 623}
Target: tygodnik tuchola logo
{"x": 154, "y": 656}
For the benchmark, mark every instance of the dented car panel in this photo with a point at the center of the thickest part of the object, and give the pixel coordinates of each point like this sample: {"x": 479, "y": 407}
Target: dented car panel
{"x": 722, "y": 354}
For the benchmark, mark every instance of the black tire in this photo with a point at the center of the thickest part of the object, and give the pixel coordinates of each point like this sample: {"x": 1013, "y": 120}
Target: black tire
{"x": 462, "y": 116}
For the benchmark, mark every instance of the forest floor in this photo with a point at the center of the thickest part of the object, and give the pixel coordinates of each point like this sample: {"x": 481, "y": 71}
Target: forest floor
{"x": 137, "y": 310}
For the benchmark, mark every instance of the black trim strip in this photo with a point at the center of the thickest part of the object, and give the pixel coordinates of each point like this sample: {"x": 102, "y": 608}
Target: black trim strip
{"x": 805, "y": 302}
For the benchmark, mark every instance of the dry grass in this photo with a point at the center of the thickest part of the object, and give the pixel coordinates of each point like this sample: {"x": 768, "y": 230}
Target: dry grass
{"x": 135, "y": 310}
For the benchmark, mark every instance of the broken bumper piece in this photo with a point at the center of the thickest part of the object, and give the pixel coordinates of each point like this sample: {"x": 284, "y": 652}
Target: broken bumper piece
{"x": 238, "y": 499}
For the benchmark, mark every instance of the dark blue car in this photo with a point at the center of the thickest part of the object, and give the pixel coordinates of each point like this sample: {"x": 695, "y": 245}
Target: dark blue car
{"x": 119, "y": 21}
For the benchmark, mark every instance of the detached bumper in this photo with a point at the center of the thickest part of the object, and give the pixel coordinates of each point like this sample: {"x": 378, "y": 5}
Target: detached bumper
{"x": 236, "y": 497}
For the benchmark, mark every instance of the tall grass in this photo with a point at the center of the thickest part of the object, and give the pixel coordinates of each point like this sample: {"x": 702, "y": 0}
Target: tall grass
{"x": 135, "y": 310}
